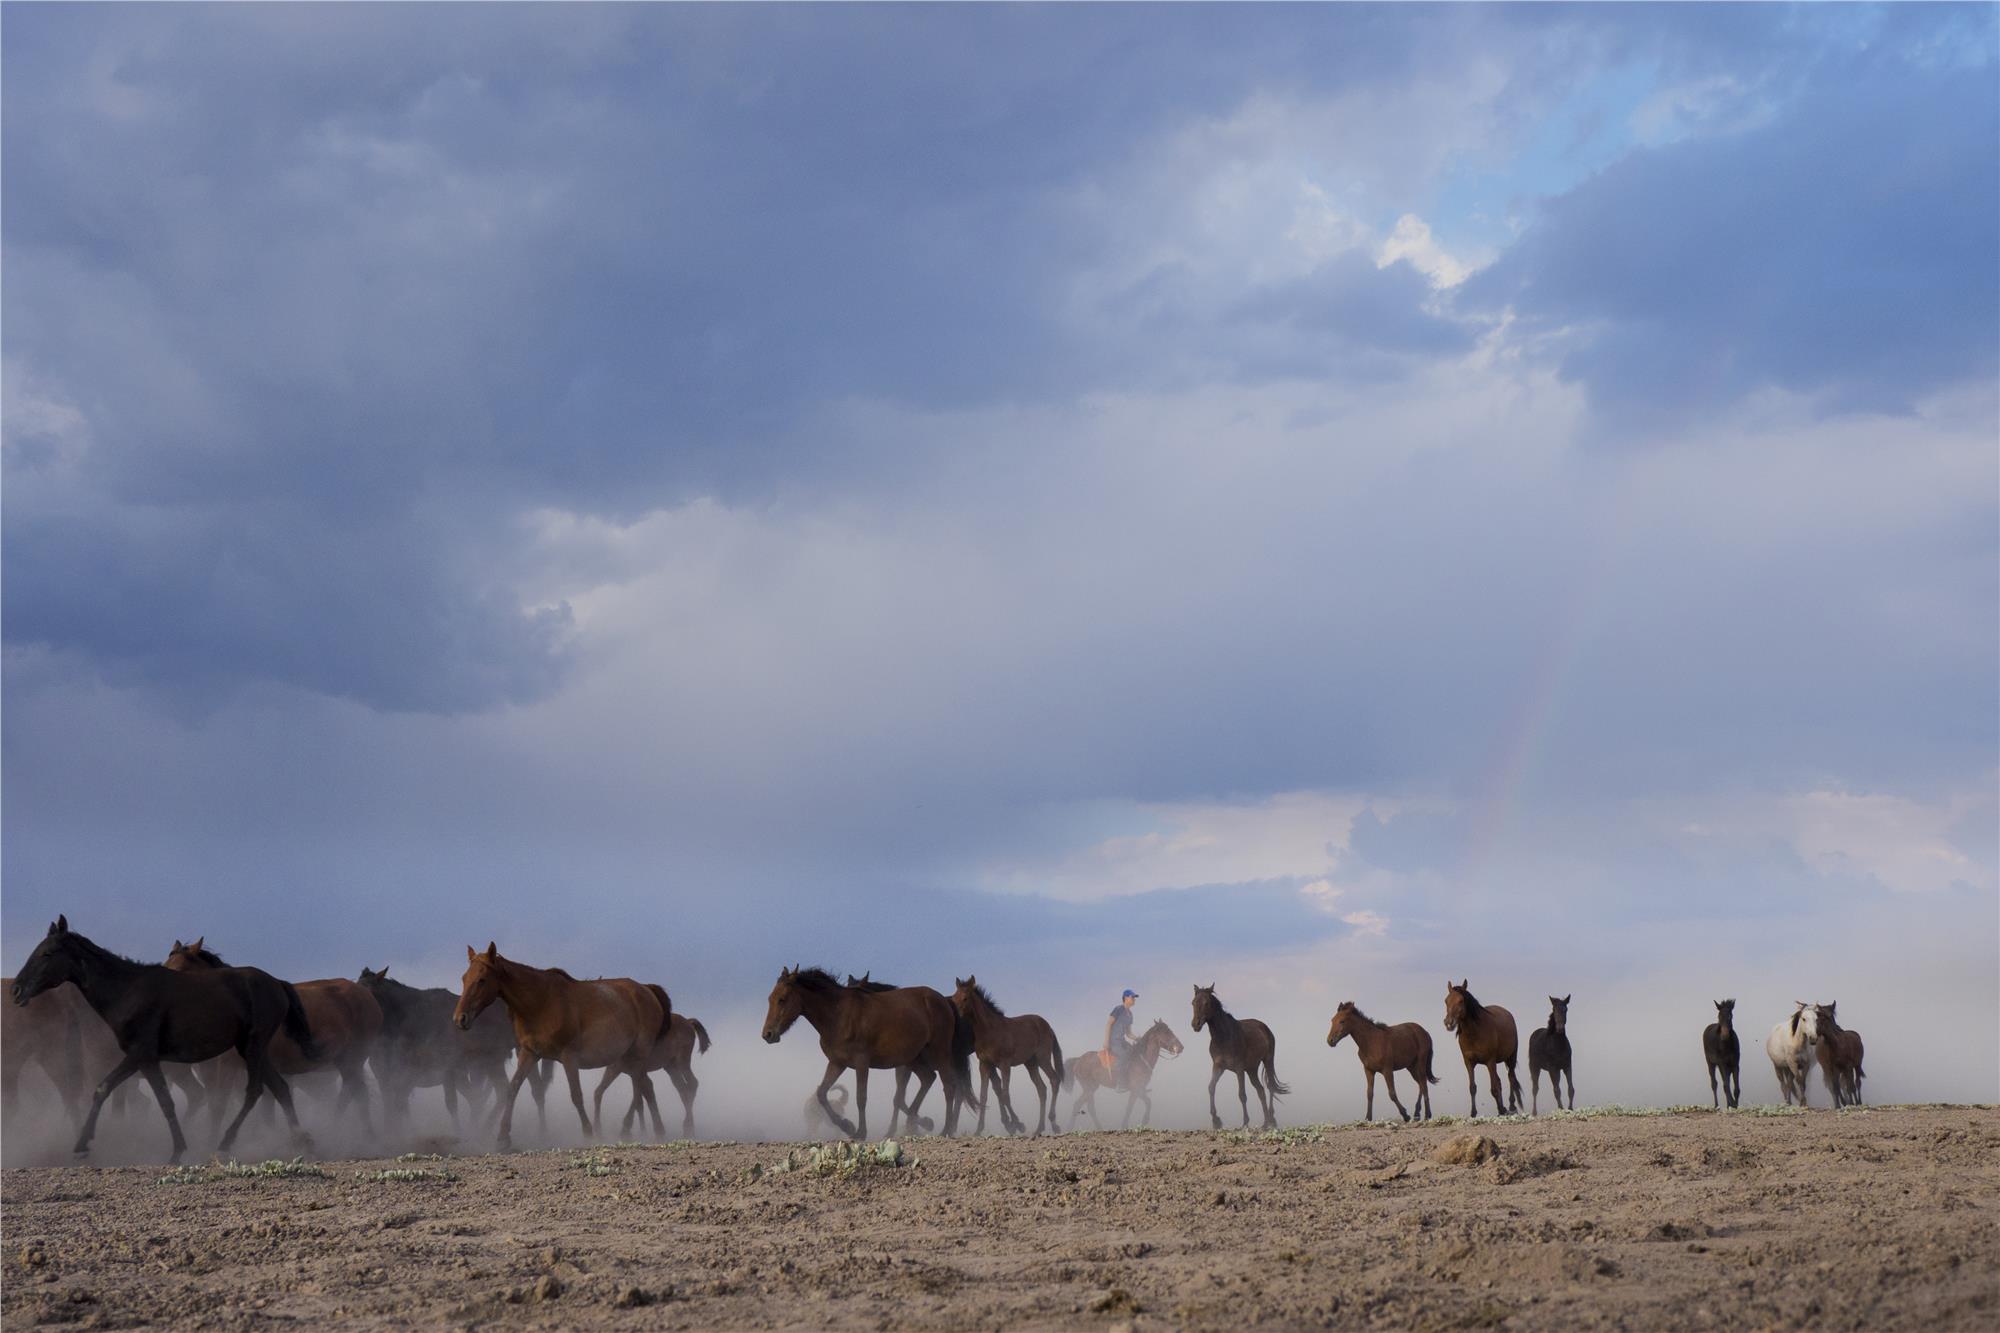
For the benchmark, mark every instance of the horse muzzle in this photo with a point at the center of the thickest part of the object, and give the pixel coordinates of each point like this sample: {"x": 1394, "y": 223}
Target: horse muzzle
{"x": 462, "y": 1022}
{"x": 770, "y": 1036}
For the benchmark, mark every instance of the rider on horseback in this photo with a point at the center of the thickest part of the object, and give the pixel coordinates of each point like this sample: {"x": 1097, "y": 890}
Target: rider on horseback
{"x": 1118, "y": 1043}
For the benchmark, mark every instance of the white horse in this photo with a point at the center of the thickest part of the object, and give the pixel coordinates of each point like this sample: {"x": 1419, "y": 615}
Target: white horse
{"x": 1790, "y": 1047}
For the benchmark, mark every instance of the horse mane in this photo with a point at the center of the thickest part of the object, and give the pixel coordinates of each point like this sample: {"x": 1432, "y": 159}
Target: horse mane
{"x": 94, "y": 947}
{"x": 818, "y": 980}
{"x": 868, "y": 983}
{"x": 558, "y": 972}
{"x": 1473, "y": 1008}
{"x": 980, "y": 991}
{"x": 205, "y": 955}
{"x": 1360, "y": 1017}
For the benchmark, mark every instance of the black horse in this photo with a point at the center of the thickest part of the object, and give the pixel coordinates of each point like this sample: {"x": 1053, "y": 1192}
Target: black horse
{"x": 1724, "y": 1054}
{"x": 421, "y": 1047}
{"x": 156, "y": 1014}
{"x": 1548, "y": 1049}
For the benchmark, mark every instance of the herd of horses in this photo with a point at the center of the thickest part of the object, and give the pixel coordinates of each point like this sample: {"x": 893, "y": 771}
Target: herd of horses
{"x": 199, "y": 1025}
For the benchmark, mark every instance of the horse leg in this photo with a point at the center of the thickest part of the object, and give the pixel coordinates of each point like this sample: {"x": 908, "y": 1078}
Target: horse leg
{"x": 834, "y": 1069}
{"x": 914, "y": 1123}
{"x": 1389, "y": 1082}
{"x": 1371, "y": 1093}
{"x": 1513, "y": 1089}
{"x": 1015, "y": 1124}
{"x": 985, "y": 1088}
{"x": 1571, "y": 1076}
{"x": 575, "y": 1079}
{"x": 1493, "y": 1076}
{"x": 1472, "y": 1082}
{"x": 1041, "y": 1099}
{"x": 121, "y": 1071}
{"x": 597, "y": 1100}
{"x": 253, "y": 1088}
{"x": 354, "y": 1082}
{"x": 1535, "y": 1088}
{"x": 1243, "y": 1097}
{"x": 524, "y": 1065}
{"x": 1265, "y": 1100}
{"x": 165, "y": 1098}
{"x": 686, "y": 1084}
{"x": 1713, "y": 1096}
{"x": 1214, "y": 1077}
{"x": 538, "y": 1087}
{"x": 860, "y": 1128}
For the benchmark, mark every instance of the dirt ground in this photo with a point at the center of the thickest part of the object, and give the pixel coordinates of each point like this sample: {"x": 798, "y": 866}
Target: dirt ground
{"x": 1859, "y": 1219}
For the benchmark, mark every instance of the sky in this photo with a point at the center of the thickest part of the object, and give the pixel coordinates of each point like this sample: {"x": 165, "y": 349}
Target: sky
{"x": 1318, "y": 500}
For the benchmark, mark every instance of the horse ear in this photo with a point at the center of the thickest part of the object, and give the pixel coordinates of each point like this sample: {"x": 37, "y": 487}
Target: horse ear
{"x": 471, "y": 954}
{"x": 178, "y": 946}
{"x": 383, "y": 973}
{"x": 492, "y": 949}
{"x": 1465, "y": 984}
{"x": 55, "y": 928}
{"x": 201, "y": 942}
{"x": 1566, "y": 999}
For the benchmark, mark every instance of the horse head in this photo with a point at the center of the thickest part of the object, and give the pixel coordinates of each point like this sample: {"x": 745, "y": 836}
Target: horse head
{"x": 1205, "y": 1005}
{"x": 788, "y": 1001}
{"x": 1343, "y": 1023}
{"x": 1457, "y": 1000}
{"x": 479, "y": 987}
{"x": 54, "y": 961}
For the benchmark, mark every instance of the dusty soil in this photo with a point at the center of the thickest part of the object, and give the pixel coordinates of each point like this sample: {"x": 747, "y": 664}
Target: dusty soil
{"x": 1858, "y": 1219}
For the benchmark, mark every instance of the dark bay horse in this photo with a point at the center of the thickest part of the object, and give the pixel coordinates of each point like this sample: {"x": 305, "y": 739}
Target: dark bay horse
{"x": 1384, "y": 1050}
{"x": 1001, "y": 1043}
{"x": 420, "y": 1047}
{"x": 1088, "y": 1073}
{"x": 345, "y": 1021}
{"x": 156, "y": 1014}
{"x": 1486, "y": 1036}
{"x": 1839, "y": 1058}
{"x": 673, "y": 1054}
{"x": 1240, "y": 1046}
{"x": 1548, "y": 1049}
{"x": 909, "y": 1027}
{"x": 611, "y": 1022}
{"x": 1724, "y": 1054}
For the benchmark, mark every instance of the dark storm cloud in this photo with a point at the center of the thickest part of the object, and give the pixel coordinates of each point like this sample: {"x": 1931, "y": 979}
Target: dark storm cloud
{"x": 1849, "y": 250}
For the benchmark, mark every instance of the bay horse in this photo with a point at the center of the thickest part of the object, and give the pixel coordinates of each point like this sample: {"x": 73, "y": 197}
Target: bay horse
{"x": 1548, "y": 1049}
{"x": 1239, "y": 1046}
{"x": 345, "y": 1021}
{"x": 1486, "y": 1036}
{"x": 156, "y": 1014}
{"x": 860, "y": 1029}
{"x": 1088, "y": 1074}
{"x": 611, "y": 1022}
{"x": 421, "y": 1048}
{"x": 1839, "y": 1057}
{"x": 1724, "y": 1054}
{"x": 674, "y": 1055}
{"x": 50, "y": 1031}
{"x": 1384, "y": 1050}
{"x": 1001, "y": 1043}
{"x": 901, "y": 1102}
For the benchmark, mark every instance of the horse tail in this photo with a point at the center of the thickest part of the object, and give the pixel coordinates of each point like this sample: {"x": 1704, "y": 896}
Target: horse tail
{"x": 666, "y": 1010}
{"x": 1271, "y": 1079}
{"x": 700, "y": 1034}
{"x": 1057, "y": 1068}
{"x": 297, "y": 1027}
{"x": 1429, "y": 1077}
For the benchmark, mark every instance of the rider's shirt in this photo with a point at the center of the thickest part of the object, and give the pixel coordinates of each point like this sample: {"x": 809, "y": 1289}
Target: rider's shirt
{"x": 1121, "y": 1026}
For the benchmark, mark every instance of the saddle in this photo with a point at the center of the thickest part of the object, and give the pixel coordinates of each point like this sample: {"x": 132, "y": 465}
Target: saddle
{"x": 1108, "y": 1060}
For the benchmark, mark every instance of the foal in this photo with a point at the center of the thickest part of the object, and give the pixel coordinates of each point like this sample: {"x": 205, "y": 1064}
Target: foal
{"x": 1724, "y": 1054}
{"x": 1486, "y": 1036}
{"x": 1548, "y": 1048}
{"x": 1001, "y": 1043}
{"x": 1239, "y": 1046}
{"x": 1384, "y": 1050}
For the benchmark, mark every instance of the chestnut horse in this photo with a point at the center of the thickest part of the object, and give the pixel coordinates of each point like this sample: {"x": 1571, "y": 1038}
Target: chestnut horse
{"x": 1486, "y": 1036}
{"x": 1239, "y": 1046}
{"x": 1839, "y": 1058}
{"x": 1384, "y": 1050}
{"x": 1001, "y": 1043}
{"x": 157, "y": 1014}
{"x": 910, "y": 1027}
{"x": 1548, "y": 1049}
{"x": 1088, "y": 1073}
{"x": 345, "y": 1021}
{"x": 673, "y": 1054}
{"x": 612, "y": 1022}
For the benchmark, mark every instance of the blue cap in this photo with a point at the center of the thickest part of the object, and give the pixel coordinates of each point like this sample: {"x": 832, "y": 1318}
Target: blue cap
{"x": 1129, "y": 995}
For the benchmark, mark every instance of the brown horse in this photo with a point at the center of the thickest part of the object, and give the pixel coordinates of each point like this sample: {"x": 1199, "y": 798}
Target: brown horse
{"x": 52, "y": 1031}
{"x": 157, "y": 1014}
{"x": 909, "y": 1027}
{"x": 612, "y": 1022}
{"x": 1486, "y": 1036}
{"x": 1239, "y": 1046}
{"x": 1839, "y": 1058}
{"x": 1724, "y": 1054}
{"x": 911, "y": 1121}
{"x": 345, "y": 1021}
{"x": 674, "y": 1054}
{"x": 1001, "y": 1043}
{"x": 1088, "y": 1073}
{"x": 1383, "y": 1051}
